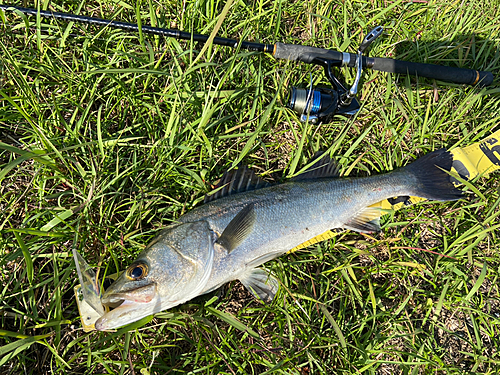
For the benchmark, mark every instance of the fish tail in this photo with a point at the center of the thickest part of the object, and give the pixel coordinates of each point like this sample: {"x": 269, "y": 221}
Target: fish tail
{"x": 433, "y": 178}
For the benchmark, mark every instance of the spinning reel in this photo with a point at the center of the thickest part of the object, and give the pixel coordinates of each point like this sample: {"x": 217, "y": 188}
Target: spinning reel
{"x": 319, "y": 104}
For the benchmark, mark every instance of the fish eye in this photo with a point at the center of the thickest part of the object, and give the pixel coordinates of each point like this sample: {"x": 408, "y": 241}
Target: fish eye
{"x": 137, "y": 271}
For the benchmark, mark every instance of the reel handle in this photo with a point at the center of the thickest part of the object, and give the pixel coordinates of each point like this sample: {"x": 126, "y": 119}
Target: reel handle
{"x": 346, "y": 98}
{"x": 369, "y": 38}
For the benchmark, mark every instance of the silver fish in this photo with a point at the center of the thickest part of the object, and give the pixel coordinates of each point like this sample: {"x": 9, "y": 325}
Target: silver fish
{"x": 247, "y": 223}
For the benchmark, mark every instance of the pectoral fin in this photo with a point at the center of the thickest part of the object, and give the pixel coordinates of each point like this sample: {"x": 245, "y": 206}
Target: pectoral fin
{"x": 260, "y": 283}
{"x": 238, "y": 229}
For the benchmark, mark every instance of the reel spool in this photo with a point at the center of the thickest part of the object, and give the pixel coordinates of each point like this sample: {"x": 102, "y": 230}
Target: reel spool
{"x": 319, "y": 104}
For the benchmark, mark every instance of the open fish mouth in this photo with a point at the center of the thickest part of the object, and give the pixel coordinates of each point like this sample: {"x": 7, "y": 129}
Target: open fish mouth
{"x": 128, "y": 306}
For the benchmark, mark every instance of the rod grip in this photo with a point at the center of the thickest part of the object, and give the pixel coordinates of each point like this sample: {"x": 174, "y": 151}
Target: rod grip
{"x": 305, "y": 54}
{"x": 442, "y": 73}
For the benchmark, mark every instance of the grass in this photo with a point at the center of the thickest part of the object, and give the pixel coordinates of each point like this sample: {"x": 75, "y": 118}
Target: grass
{"x": 108, "y": 137}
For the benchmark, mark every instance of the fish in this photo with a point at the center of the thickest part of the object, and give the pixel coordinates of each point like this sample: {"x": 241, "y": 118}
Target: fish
{"x": 247, "y": 222}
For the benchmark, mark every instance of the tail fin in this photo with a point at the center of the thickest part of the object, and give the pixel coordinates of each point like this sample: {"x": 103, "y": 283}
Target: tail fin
{"x": 434, "y": 182}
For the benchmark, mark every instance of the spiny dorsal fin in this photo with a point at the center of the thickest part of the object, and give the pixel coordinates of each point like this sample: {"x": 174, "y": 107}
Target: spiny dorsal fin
{"x": 260, "y": 283}
{"x": 238, "y": 229}
{"x": 325, "y": 167}
{"x": 236, "y": 181}
{"x": 366, "y": 221}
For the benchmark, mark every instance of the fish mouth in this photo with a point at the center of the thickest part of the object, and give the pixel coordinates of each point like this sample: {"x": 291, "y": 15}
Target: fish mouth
{"x": 127, "y": 306}
{"x": 113, "y": 298}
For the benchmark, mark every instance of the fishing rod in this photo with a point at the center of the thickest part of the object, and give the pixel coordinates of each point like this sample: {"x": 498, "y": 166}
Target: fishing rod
{"x": 314, "y": 104}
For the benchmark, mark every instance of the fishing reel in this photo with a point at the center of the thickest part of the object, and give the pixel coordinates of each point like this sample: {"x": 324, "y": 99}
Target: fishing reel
{"x": 319, "y": 104}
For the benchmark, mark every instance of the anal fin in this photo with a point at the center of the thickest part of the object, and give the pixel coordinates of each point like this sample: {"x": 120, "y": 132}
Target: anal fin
{"x": 365, "y": 221}
{"x": 260, "y": 283}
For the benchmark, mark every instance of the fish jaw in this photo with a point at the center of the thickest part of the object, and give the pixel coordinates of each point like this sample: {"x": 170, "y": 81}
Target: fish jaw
{"x": 142, "y": 294}
{"x": 129, "y": 306}
{"x": 128, "y": 312}
{"x": 132, "y": 309}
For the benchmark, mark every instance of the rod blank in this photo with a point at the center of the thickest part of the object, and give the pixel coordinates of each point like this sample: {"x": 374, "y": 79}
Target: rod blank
{"x": 167, "y": 33}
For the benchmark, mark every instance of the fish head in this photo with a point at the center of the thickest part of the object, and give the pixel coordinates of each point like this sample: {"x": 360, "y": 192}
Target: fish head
{"x": 172, "y": 269}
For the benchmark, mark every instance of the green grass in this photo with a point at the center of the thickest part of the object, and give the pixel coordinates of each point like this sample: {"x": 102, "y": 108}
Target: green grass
{"x": 108, "y": 137}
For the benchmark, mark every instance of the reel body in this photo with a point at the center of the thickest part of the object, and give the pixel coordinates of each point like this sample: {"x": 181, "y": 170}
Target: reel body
{"x": 322, "y": 104}
{"x": 319, "y": 104}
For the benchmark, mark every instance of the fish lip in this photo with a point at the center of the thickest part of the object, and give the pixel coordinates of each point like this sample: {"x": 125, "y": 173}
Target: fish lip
{"x": 127, "y": 312}
{"x": 112, "y": 304}
{"x": 113, "y": 299}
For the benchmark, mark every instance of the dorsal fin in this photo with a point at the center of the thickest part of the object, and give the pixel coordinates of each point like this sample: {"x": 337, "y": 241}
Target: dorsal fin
{"x": 325, "y": 167}
{"x": 236, "y": 181}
